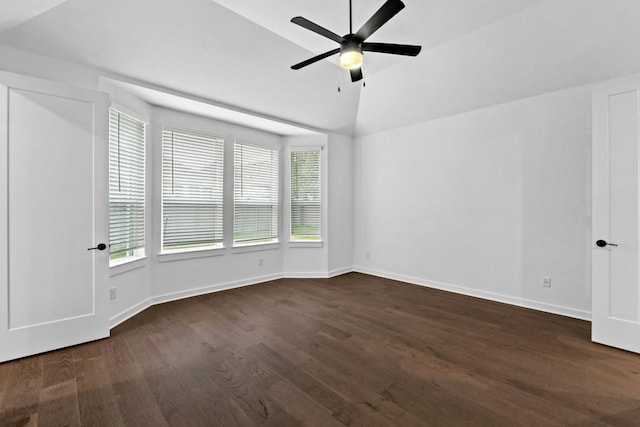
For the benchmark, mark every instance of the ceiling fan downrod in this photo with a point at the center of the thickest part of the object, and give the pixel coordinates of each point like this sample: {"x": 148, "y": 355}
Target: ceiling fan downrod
{"x": 350, "y": 17}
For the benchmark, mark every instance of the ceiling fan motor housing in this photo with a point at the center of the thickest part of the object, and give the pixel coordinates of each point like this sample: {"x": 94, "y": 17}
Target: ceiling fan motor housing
{"x": 351, "y": 42}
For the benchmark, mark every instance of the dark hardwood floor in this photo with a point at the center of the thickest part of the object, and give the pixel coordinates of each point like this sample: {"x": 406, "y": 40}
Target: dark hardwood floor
{"x": 353, "y": 350}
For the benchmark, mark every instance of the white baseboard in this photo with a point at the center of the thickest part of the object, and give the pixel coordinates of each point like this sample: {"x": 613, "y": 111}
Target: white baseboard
{"x": 159, "y": 299}
{"x": 305, "y": 275}
{"x": 173, "y": 296}
{"x": 318, "y": 274}
{"x": 129, "y": 313}
{"x": 520, "y": 302}
{"x": 340, "y": 271}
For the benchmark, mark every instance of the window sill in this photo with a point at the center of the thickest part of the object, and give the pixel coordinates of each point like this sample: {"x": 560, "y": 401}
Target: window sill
{"x": 126, "y": 265}
{"x": 192, "y": 254}
{"x": 255, "y": 248}
{"x": 306, "y": 244}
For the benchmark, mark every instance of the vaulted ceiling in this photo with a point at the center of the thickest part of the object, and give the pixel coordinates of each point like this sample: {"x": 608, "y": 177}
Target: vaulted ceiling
{"x": 476, "y": 53}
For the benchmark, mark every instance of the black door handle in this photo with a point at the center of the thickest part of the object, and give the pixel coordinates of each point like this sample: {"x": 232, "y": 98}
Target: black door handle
{"x": 100, "y": 247}
{"x": 603, "y": 243}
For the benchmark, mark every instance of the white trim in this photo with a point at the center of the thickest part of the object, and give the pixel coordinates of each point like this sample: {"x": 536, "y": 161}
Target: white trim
{"x": 324, "y": 188}
{"x": 255, "y": 247}
{"x": 306, "y": 243}
{"x": 128, "y": 264}
{"x": 306, "y": 275}
{"x": 274, "y": 147}
{"x": 238, "y": 120}
{"x": 190, "y": 254}
{"x": 312, "y": 147}
{"x": 520, "y": 302}
{"x": 317, "y": 275}
{"x": 169, "y": 127}
{"x": 616, "y": 86}
{"x": 129, "y": 313}
{"x": 131, "y": 113}
{"x": 173, "y": 296}
{"x": 339, "y": 271}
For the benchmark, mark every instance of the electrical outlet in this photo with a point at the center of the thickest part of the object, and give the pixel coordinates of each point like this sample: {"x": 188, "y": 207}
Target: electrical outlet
{"x": 546, "y": 282}
{"x": 112, "y": 293}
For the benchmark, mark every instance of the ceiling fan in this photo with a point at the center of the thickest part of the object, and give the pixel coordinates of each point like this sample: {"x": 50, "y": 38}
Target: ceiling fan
{"x": 353, "y": 44}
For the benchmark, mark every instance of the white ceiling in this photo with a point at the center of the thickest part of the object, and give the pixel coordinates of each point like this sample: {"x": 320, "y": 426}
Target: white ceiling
{"x": 196, "y": 47}
{"x": 163, "y": 98}
{"x": 15, "y": 12}
{"x": 476, "y": 53}
{"x": 555, "y": 45}
{"x": 423, "y": 22}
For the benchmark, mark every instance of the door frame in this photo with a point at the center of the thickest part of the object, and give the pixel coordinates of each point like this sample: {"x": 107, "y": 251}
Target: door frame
{"x": 604, "y": 329}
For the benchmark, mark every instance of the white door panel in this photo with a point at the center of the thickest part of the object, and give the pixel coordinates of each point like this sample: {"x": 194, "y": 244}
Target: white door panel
{"x": 623, "y": 149}
{"x": 53, "y": 200}
{"x": 616, "y": 171}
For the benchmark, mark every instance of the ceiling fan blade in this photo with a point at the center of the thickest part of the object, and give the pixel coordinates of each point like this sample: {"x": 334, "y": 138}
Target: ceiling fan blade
{"x": 356, "y": 74}
{"x": 305, "y": 23}
{"x": 395, "y": 49}
{"x": 386, "y": 12}
{"x": 315, "y": 59}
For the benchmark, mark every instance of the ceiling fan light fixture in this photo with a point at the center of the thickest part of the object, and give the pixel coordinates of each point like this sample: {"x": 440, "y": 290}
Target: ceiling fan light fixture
{"x": 351, "y": 59}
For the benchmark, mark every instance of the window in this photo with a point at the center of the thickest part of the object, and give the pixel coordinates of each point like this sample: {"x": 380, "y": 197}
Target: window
{"x": 255, "y": 195}
{"x": 305, "y": 194}
{"x": 192, "y": 177}
{"x": 126, "y": 186}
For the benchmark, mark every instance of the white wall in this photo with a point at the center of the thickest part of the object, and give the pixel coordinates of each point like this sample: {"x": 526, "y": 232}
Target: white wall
{"x": 484, "y": 203}
{"x": 340, "y": 201}
{"x": 31, "y": 64}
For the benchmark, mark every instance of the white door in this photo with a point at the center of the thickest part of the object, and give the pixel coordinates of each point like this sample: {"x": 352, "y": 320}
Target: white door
{"x": 616, "y": 171}
{"x": 53, "y": 208}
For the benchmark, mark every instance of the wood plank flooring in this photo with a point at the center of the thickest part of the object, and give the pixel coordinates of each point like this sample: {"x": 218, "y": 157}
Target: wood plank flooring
{"x": 353, "y": 350}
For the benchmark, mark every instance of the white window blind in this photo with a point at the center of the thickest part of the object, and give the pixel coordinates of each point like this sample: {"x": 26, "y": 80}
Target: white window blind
{"x": 305, "y": 194}
{"x": 192, "y": 186}
{"x": 255, "y": 194}
{"x": 126, "y": 185}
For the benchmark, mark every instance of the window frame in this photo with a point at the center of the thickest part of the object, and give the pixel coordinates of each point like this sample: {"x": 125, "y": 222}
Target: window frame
{"x": 274, "y": 242}
{"x": 317, "y": 242}
{"x": 217, "y": 248}
{"x": 124, "y": 263}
